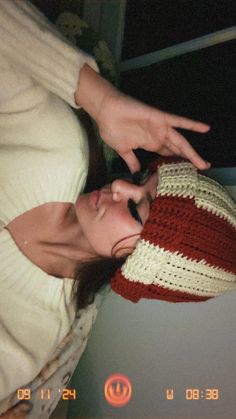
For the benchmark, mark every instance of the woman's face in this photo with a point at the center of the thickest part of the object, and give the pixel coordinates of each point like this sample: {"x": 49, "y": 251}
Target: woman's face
{"x": 114, "y": 212}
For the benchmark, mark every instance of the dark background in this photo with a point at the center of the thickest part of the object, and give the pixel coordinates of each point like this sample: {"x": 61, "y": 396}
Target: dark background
{"x": 199, "y": 85}
{"x": 156, "y": 24}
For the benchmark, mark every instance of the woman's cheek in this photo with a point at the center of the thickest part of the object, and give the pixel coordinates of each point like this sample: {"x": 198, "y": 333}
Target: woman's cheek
{"x": 112, "y": 224}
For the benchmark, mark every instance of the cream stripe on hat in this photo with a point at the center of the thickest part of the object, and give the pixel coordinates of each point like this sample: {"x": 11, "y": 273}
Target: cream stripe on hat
{"x": 150, "y": 264}
{"x": 187, "y": 182}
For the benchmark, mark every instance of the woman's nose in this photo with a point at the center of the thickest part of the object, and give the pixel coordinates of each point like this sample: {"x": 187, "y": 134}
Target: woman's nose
{"x": 122, "y": 189}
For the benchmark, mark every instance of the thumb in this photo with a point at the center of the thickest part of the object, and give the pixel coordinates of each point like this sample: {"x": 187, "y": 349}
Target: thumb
{"x": 131, "y": 161}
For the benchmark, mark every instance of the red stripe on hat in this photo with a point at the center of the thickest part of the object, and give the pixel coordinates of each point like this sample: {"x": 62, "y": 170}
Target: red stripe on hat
{"x": 134, "y": 291}
{"x": 176, "y": 224}
{"x": 165, "y": 160}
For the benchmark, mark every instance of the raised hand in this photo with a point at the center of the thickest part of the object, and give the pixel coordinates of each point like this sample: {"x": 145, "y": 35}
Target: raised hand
{"x": 126, "y": 124}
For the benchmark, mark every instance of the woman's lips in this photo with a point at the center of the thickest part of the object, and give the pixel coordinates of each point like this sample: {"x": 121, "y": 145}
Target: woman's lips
{"x": 94, "y": 197}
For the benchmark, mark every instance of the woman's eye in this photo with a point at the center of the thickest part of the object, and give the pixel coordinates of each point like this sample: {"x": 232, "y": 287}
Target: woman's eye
{"x": 133, "y": 210}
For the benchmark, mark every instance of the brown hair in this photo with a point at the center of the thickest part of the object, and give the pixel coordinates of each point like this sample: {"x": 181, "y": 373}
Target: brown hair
{"x": 93, "y": 275}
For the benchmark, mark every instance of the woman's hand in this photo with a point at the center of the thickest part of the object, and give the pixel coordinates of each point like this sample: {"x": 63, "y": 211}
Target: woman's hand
{"x": 126, "y": 124}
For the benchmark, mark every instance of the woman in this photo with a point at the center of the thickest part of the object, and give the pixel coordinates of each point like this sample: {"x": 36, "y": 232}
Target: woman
{"x": 47, "y": 225}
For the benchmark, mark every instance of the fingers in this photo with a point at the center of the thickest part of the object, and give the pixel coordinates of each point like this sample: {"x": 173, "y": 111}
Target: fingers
{"x": 185, "y": 123}
{"x": 181, "y": 146}
{"x": 131, "y": 161}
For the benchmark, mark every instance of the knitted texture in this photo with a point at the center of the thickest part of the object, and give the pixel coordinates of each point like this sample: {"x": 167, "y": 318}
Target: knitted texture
{"x": 187, "y": 249}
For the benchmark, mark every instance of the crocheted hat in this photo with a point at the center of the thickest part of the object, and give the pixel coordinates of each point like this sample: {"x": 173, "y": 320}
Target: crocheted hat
{"x": 187, "y": 248}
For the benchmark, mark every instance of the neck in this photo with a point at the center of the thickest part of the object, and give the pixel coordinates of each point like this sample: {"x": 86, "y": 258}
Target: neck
{"x": 66, "y": 245}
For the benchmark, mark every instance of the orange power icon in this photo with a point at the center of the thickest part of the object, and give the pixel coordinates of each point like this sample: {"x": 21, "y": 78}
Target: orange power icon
{"x": 170, "y": 394}
{"x": 118, "y": 390}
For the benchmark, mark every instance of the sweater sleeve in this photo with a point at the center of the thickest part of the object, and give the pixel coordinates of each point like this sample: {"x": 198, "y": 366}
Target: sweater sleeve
{"x": 33, "y": 45}
{"x": 27, "y": 339}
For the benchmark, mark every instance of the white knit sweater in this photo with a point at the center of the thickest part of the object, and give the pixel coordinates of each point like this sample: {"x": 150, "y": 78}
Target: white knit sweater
{"x": 43, "y": 158}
